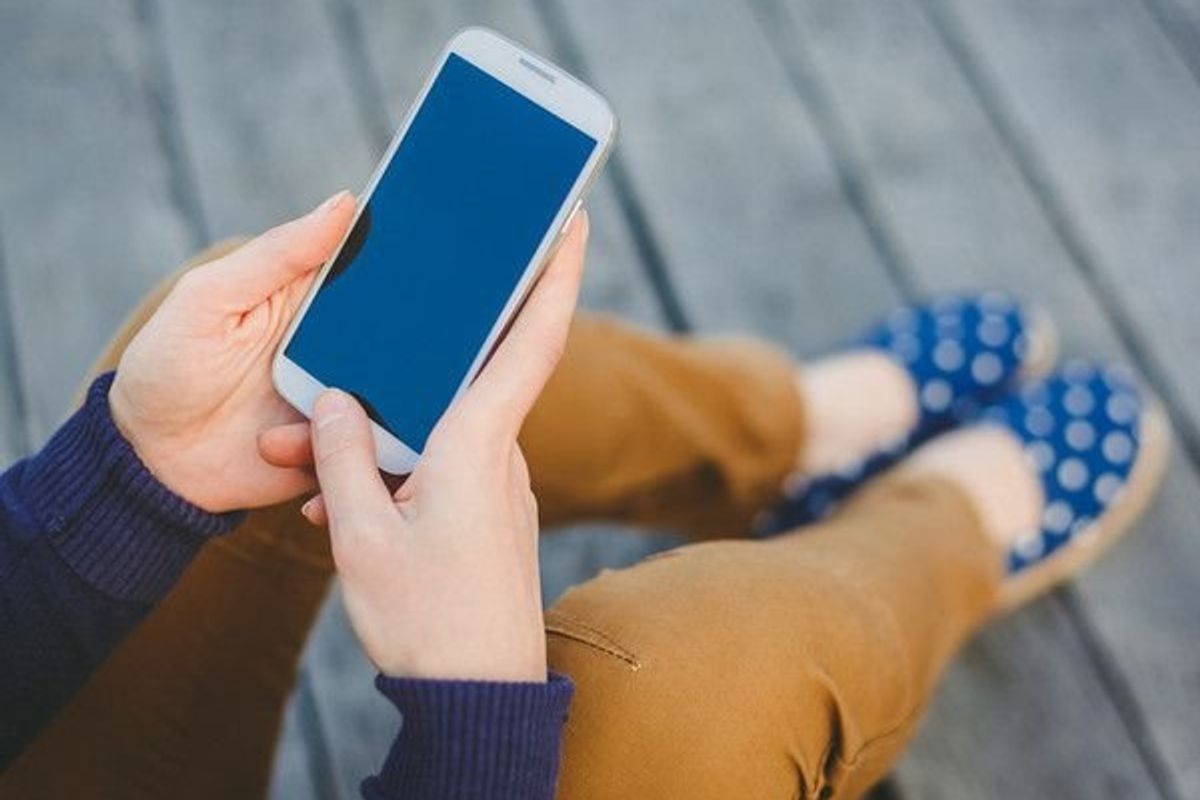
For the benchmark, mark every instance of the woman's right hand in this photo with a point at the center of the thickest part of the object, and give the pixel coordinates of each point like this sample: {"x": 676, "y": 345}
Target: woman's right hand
{"x": 441, "y": 579}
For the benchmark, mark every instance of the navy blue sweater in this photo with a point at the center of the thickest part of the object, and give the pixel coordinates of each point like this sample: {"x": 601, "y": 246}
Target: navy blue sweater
{"x": 90, "y": 542}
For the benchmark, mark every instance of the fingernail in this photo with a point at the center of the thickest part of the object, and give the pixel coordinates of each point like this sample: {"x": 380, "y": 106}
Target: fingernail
{"x": 307, "y": 508}
{"x": 332, "y": 202}
{"x": 330, "y": 406}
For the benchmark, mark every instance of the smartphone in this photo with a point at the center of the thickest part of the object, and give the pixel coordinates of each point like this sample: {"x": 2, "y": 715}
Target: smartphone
{"x": 469, "y": 202}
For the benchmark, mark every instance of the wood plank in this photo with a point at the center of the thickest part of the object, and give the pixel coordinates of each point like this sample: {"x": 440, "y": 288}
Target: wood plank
{"x": 270, "y": 129}
{"x": 357, "y": 724}
{"x": 89, "y": 206}
{"x": 14, "y": 439}
{"x": 248, "y": 167}
{"x": 399, "y": 41}
{"x": 1108, "y": 113}
{"x": 739, "y": 192}
{"x": 965, "y": 215}
{"x": 388, "y": 48}
{"x": 982, "y": 721}
{"x": 1103, "y": 107}
{"x": 576, "y": 553}
{"x": 667, "y": 133}
{"x": 1179, "y": 20}
{"x": 296, "y": 762}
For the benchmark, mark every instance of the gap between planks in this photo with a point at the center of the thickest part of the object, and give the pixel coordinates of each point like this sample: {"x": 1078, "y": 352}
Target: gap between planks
{"x": 15, "y": 438}
{"x": 813, "y": 93}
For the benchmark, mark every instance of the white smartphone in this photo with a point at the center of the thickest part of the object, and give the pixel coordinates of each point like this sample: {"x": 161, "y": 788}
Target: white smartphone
{"x": 467, "y": 205}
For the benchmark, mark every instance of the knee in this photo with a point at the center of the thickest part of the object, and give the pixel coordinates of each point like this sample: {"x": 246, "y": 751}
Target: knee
{"x": 723, "y": 670}
{"x": 661, "y": 709}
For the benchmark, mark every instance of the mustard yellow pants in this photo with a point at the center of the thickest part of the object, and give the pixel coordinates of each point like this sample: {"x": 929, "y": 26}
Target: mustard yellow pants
{"x": 793, "y": 667}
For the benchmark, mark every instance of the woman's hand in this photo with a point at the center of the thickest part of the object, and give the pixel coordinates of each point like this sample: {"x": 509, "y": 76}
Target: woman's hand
{"x": 193, "y": 390}
{"x": 441, "y": 579}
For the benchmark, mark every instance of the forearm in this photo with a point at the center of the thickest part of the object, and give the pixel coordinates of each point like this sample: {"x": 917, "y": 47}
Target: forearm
{"x": 473, "y": 739}
{"x": 89, "y": 543}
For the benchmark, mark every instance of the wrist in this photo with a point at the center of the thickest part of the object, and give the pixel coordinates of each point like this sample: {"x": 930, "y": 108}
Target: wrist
{"x": 149, "y": 449}
{"x": 507, "y": 670}
{"x": 506, "y": 660}
{"x": 106, "y": 514}
{"x": 506, "y": 736}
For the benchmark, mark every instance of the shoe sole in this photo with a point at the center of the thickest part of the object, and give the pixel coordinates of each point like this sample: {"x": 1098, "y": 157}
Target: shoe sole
{"x": 1154, "y": 448}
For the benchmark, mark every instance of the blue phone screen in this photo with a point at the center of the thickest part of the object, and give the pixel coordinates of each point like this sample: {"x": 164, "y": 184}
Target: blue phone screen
{"x": 442, "y": 243}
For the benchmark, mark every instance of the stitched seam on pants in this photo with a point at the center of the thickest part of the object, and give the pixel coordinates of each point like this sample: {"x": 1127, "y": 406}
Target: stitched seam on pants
{"x": 587, "y": 635}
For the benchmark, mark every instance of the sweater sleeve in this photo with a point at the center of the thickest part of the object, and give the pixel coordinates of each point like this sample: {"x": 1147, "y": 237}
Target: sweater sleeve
{"x": 89, "y": 543}
{"x": 473, "y": 740}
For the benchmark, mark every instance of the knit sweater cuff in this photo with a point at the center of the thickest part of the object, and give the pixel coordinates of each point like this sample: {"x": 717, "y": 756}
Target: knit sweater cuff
{"x": 109, "y": 519}
{"x": 473, "y": 739}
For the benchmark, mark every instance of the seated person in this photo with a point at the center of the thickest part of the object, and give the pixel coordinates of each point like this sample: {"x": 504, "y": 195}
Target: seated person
{"x": 901, "y": 493}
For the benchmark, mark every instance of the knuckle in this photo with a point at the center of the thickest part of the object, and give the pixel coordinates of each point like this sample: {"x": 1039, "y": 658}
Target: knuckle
{"x": 273, "y": 244}
{"x": 333, "y": 444}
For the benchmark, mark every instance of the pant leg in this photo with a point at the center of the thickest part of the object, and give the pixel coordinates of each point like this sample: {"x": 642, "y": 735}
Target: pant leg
{"x": 634, "y": 426}
{"x": 190, "y": 704}
{"x": 694, "y": 435}
{"x": 768, "y": 670}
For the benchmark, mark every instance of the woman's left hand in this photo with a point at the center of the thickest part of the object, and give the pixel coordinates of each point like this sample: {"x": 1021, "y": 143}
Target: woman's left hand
{"x": 193, "y": 390}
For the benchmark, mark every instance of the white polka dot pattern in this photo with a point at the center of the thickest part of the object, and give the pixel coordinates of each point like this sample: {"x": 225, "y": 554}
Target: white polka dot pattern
{"x": 987, "y": 368}
{"x": 962, "y": 352}
{"x": 993, "y": 331}
{"x": 1040, "y": 421}
{"x": 1121, "y": 408}
{"x": 1078, "y": 401}
{"x": 1107, "y": 487}
{"x": 1041, "y": 454}
{"x": 1072, "y": 474}
{"x": 949, "y": 355}
{"x": 1057, "y": 517}
{"x": 1079, "y": 432}
{"x": 936, "y": 395}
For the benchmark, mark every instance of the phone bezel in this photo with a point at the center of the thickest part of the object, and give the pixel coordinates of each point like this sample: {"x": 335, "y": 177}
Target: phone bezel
{"x": 545, "y": 84}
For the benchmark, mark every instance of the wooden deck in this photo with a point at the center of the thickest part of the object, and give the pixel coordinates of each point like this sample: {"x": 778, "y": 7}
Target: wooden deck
{"x": 786, "y": 167}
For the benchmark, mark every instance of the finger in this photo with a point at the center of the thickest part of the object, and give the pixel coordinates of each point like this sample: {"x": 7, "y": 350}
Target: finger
{"x": 518, "y": 370}
{"x": 354, "y": 494}
{"x": 266, "y": 264}
{"x": 287, "y": 446}
{"x": 314, "y": 511}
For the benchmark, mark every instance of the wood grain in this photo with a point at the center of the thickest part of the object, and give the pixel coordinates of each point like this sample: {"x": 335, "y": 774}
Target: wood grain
{"x": 668, "y": 151}
{"x": 1111, "y": 127}
{"x": 752, "y": 221}
{"x": 965, "y": 212}
{"x": 14, "y": 439}
{"x": 787, "y": 167}
{"x": 399, "y": 43}
{"x": 89, "y": 202}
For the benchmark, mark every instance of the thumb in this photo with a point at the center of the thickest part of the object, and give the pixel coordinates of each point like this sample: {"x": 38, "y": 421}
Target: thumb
{"x": 524, "y": 360}
{"x": 271, "y": 261}
{"x": 344, "y": 452}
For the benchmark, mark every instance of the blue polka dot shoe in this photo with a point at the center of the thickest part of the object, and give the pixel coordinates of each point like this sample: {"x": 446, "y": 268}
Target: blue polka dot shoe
{"x": 962, "y": 352}
{"x": 1100, "y": 450}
